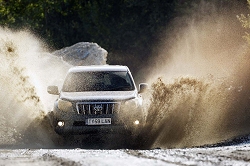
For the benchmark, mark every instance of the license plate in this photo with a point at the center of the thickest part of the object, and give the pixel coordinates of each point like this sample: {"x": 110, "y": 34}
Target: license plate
{"x": 98, "y": 121}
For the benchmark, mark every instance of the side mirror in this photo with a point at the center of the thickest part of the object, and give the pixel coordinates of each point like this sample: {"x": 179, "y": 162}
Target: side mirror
{"x": 53, "y": 90}
{"x": 143, "y": 87}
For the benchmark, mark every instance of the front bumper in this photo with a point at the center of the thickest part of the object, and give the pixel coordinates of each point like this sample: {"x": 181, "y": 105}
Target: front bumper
{"x": 76, "y": 130}
{"x": 76, "y": 125}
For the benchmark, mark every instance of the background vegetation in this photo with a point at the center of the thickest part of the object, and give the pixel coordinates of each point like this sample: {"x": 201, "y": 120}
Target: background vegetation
{"x": 127, "y": 29}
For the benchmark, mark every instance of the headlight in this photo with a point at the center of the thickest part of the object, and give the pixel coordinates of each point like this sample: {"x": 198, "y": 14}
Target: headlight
{"x": 131, "y": 112}
{"x": 60, "y": 123}
{"x": 131, "y": 103}
{"x": 136, "y": 122}
{"x": 65, "y": 105}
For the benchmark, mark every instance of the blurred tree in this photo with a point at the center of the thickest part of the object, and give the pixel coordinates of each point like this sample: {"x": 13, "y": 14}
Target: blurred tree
{"x": 127, "y": 29}
{"x": 113, "y": 23}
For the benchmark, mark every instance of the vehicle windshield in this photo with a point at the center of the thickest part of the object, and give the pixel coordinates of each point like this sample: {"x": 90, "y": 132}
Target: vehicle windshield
{"x": 98, "y": 81}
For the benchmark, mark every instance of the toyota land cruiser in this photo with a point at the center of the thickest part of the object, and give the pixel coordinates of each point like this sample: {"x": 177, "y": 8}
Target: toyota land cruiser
{"x": 97, "y": 99}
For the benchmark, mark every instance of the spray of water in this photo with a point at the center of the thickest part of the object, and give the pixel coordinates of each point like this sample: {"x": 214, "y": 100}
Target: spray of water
{"x": 200, "y": 92}
{"x": 26, "y": 70}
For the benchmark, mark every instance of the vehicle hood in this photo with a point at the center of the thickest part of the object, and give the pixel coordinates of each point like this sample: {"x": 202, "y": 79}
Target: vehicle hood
{"x": 98, "y": 95}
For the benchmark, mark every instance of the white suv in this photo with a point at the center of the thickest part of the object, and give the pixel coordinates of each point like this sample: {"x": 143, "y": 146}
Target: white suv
{"x": 97, "y": 99}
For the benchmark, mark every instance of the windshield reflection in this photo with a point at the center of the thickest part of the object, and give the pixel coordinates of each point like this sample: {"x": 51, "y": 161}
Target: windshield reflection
{"x": 98, "y": 81}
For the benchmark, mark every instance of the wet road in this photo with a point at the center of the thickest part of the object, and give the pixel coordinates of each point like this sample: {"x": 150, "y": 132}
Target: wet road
{"x": 227, "y": 155}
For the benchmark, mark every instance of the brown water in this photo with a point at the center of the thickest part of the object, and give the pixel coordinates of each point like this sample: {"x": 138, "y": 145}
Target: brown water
{"x": 26, "y": 71}
{"x": 200, "y": 92}
{"x": 193, "y": 112}
{"x": 200, "y": 89}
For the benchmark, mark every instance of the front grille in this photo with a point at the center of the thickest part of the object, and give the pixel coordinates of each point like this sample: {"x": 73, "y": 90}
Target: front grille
{"x": 97, "y": 108}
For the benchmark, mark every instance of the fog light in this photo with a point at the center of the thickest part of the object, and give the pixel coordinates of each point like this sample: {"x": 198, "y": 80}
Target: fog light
{"x": 136, "y": 122}
{"x": 60, "y": 123}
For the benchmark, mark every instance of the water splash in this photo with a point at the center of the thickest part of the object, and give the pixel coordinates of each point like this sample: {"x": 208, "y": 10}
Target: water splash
{"x": 201, "y": 95}
{"x": 26, "y": 70}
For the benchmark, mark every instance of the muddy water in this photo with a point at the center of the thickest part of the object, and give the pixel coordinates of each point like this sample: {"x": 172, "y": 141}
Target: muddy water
{"x": 200, "y": 92}
{"x": 200, "y": 82}
{"x": 26, "y": 70}
{"x": 192, "y": 112}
